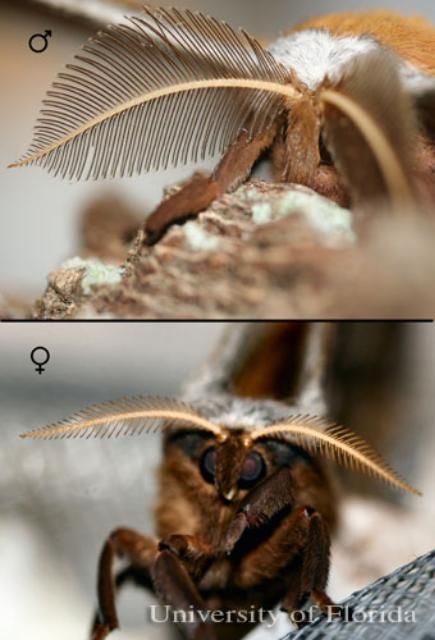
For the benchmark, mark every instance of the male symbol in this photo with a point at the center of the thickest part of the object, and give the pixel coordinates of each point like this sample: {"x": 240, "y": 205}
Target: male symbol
{"x": 35, "y": 45}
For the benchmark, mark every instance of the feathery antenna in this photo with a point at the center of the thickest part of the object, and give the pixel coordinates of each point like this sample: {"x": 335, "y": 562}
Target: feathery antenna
{"x": 160, "y": 90}
{"x": 321, "y": 438}
{"x": 127, "y": 416}
{"x": 136, "y": 415}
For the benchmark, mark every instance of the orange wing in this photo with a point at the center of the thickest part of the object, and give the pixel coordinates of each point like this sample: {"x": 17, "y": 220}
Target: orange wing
{"x": 413, "y": 37}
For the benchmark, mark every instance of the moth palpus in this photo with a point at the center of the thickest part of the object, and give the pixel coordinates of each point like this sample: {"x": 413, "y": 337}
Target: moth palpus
{"x": 344, "y": 103}
{"x": 246, "y": 501}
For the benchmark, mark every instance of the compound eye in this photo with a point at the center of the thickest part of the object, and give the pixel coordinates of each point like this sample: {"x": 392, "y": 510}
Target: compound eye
{"x": 208, "y": 464}
{"x": 252, "y": 470}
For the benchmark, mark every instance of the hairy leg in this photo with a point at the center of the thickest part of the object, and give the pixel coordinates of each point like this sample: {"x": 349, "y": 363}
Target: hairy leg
{"x": 194, "y": 552}
{"x": 260, "y": 505}
{"x": 140, "y": 551}
{"x": 167, "y": 568}
{"x": 296, "y": 156}
{"x": 200, "y": 191}
{"x": 301, "y": 541}
{"x": 312, "y": 563}
{"x": 175, "y": 587}
{"x": 131, "y": 574}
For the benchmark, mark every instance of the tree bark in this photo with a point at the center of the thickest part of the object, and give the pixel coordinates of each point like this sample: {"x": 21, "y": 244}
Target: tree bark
{"x": 266, "y": 251}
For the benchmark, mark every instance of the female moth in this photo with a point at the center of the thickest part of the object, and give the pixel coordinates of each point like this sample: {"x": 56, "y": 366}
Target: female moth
{"x": 335, "y": 100}
{"x": 246, "y": 505}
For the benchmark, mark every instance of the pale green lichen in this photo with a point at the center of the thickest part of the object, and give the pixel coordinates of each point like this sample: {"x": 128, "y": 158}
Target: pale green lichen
{"x": 199, "y": 239}
{"x": 262, "y": 213}
{"x": 96, "y": 272}
{"x": 327, "y": 217}
{"x": 333, "y": 222}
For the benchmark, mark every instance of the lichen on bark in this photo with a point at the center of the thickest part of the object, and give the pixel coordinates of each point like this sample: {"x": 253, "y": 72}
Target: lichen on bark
{"x": 265, "y": 251}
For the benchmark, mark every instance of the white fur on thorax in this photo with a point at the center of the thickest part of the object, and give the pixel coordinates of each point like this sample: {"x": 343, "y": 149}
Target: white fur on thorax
{"x": 315, "y": 54}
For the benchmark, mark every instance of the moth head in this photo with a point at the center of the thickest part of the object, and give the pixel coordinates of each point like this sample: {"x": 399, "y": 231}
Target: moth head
{"x": 228, "y": 458}
{"x": 227, "y": 463}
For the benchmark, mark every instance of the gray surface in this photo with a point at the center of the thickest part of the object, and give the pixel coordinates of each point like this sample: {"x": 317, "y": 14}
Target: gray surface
{"x": 39, "y": 213}
{"x": 408, "y": 593}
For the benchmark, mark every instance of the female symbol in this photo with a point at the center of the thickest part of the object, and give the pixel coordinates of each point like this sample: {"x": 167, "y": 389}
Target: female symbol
{"x": 44, "y": 353}
{"x": 39, "y": 41}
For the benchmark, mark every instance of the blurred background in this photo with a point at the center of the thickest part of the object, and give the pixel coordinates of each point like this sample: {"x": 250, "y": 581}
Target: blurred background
{"x": 39, "y": 214}
{"x": 60, "y": 499}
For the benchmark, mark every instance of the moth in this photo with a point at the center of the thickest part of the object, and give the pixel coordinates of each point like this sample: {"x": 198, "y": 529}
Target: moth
{"x": 343, "y": 103}
{"x": 246, "y": 501}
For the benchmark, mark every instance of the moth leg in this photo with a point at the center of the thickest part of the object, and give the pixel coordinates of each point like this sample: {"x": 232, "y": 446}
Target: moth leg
{"x": 195, "y": 553}
{"x": 198, "y": 193}
{"x": 310, "y": 575}
{"x": 175, "y": 587}
{"x": 260, "y": 505}
{"x": 140, "y": 550}
{"x": 302, "y": 545}
{"x": 136, "y": 575}
{"x": 302, "y": 538}
{"x": 297, "y": 156}
{"x": 162, "y": 570}
{"x": 311, "y": 569}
